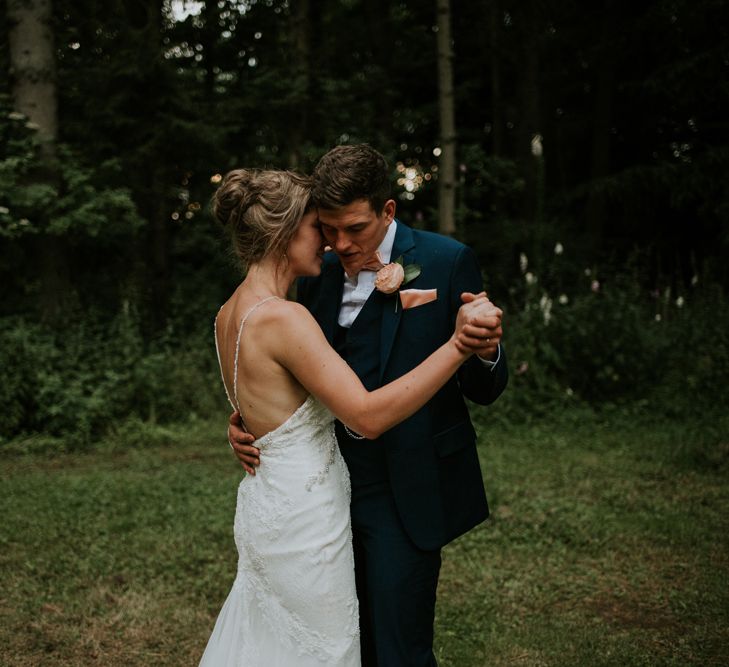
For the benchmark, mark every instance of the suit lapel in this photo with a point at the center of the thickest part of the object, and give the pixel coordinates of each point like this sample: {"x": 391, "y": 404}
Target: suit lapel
{"x": 330, "y": 298}
{"x": 403, "y": 245}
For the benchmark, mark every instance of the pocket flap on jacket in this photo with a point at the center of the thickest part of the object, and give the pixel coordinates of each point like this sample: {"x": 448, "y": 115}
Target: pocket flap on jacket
{"x": 454, "y": 438}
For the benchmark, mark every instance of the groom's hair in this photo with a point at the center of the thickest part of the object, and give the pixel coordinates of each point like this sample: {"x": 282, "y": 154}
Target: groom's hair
{"x": 348, "y": 173}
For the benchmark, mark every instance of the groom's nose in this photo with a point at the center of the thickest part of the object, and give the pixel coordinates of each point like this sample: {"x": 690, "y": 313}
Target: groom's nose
{"x": 341, "y": 243}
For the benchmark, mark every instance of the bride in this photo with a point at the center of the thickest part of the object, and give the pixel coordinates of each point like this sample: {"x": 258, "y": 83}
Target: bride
{"x": 293, "y": 601}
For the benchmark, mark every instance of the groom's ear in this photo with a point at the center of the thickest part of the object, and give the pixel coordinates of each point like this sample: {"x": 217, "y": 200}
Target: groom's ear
{"x": 388, "y": 210}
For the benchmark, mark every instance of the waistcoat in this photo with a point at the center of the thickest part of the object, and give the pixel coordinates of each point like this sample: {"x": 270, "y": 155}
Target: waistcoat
{"x": 359, "y": 346}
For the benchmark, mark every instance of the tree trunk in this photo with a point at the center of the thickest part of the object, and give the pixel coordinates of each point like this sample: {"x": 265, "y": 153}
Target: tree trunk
{"x": 497, "y": 123}
{"x": 33, "y": 82}
{"x": 595, "y": 211}
{"x": 383, "y": 89}
{"x": 145, "y": 17}
{"x": 301, "y": 68}
{"x": 209, "y": 38}
{"x": 446, "y": 113}
{"x": 33, "y": 65}
{"x": 532, "y": 165}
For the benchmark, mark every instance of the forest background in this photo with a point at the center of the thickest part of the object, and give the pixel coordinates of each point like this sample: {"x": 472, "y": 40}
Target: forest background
{"x": 582, "y": 149}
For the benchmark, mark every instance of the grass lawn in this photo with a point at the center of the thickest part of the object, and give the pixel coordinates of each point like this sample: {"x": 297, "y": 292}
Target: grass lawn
{"x": 607, "y": 545}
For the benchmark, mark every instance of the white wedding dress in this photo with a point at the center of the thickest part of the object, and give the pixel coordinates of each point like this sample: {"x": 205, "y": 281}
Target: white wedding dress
{"x": 293, "y": 602}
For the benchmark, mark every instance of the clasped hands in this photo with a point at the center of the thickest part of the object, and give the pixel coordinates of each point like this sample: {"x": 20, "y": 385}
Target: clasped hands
{"x": 478, "y": 326}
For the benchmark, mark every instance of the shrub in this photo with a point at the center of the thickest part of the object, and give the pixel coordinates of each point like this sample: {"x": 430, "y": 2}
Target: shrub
{"x": 612, "y": 341}
{"x": 79, "y": 383}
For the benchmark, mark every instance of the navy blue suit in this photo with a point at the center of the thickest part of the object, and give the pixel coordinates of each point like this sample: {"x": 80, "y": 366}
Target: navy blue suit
{"x": 419, "y": 485}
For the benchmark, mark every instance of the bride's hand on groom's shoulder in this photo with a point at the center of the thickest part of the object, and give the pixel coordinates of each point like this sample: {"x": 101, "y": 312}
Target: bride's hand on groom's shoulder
{"x": 478, "y": 326}
{"x": 240, "y": 442}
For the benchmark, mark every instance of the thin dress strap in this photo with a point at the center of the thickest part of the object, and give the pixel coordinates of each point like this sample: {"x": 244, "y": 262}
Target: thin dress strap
{"x": 236, "y": 405}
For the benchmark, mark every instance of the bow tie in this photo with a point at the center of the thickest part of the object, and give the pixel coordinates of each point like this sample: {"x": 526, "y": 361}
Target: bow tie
{"x": 374, "y": 263}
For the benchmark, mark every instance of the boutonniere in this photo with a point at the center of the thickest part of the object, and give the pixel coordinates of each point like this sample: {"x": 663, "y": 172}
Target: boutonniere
{"x": 391, "y": 277}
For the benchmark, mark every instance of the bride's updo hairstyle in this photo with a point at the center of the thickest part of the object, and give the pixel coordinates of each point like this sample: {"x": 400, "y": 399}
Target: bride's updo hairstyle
{"x": 261, "y": 209}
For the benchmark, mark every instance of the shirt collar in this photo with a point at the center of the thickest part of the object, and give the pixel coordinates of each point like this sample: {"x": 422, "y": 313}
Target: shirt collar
{"x": 385, "y": 248}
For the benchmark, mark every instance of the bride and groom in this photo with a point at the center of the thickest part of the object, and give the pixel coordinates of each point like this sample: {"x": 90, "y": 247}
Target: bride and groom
{"x": 364, "y": 463}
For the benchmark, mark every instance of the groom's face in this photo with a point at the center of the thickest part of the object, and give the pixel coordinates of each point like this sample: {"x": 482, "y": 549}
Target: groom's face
{"x": 355, "y": 231}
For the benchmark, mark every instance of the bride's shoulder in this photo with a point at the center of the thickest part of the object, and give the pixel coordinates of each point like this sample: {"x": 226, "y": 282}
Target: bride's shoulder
{"x": 287, "y": 326}
{"x": 289, "y": 313}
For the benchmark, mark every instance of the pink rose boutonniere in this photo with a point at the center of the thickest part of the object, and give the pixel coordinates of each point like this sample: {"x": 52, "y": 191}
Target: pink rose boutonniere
{"x": 392, "y": 276}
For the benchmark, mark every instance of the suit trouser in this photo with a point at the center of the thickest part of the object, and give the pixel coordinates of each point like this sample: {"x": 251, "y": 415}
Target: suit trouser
{"x": 396, "y": 584}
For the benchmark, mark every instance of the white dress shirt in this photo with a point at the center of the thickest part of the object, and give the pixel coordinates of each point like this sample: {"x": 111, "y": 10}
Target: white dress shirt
{"x": 358, "y": 288}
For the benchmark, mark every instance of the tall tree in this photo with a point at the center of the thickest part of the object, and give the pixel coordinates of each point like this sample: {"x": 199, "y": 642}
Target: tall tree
{"x": 33, "y": 82}
{"x": 446, "y": 114}
{"x": 151, "y": 86}
{"x": 33, "y": 66}
{"x": 529, "y": 133}
{"x": 497, "y": 123}
{"x": 607, "y": 54}
{"x": 383, "y": 90}
{"x": 300, "y": 20}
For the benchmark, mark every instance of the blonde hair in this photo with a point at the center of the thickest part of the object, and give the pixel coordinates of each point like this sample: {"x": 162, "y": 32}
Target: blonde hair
{"x": 261, "y": 209}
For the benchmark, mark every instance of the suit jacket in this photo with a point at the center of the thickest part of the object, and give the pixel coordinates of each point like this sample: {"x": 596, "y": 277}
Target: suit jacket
{"x": 431, "y": 457}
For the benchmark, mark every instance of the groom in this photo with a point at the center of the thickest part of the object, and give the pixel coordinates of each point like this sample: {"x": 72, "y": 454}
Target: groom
{"x": 419, "y": 485}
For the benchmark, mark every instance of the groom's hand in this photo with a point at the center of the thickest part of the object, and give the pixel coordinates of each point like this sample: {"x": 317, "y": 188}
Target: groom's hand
{"x": 240, "y": 442}
{"x": 482, "y": 333}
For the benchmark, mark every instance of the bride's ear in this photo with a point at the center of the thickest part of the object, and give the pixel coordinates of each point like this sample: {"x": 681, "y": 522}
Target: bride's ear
{"x": 283, "y": 261}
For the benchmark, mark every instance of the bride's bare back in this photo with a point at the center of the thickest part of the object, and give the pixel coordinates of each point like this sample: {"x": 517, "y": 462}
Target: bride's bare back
{"x": 264, "y": 392}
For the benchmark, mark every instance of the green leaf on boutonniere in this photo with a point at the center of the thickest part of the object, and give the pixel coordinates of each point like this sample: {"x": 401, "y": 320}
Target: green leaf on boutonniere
{"x": 412, "y": 271}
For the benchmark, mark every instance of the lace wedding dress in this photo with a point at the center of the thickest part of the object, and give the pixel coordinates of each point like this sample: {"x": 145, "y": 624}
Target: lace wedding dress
{"x": 293, "y": 602}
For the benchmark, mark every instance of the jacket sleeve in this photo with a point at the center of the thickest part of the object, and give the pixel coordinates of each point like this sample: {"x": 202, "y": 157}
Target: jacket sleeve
{"x": 479, "y": 383}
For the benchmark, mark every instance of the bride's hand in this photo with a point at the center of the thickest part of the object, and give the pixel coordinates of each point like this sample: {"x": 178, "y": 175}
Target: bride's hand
{"x": 472, "y": 331}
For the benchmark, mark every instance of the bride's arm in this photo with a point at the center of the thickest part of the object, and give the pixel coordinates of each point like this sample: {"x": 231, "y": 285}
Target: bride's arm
{"x": 305, "y": 352}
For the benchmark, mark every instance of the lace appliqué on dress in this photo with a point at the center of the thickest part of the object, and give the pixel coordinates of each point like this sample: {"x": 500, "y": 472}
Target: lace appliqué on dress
{"x": 331, "y": 445}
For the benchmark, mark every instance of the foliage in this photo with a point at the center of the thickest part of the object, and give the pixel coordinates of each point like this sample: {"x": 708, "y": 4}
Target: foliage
{"x": 575, "y": 336}
{"x": 74, "y": 202}
{"x": 86, "y": 381}
{"x": 153, "y": 107}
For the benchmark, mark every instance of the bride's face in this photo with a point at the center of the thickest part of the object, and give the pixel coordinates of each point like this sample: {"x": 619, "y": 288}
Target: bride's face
{"x": 306, "y": 250}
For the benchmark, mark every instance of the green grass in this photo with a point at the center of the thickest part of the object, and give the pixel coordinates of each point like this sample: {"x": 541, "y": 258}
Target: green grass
{"x": 607, "y": 546}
